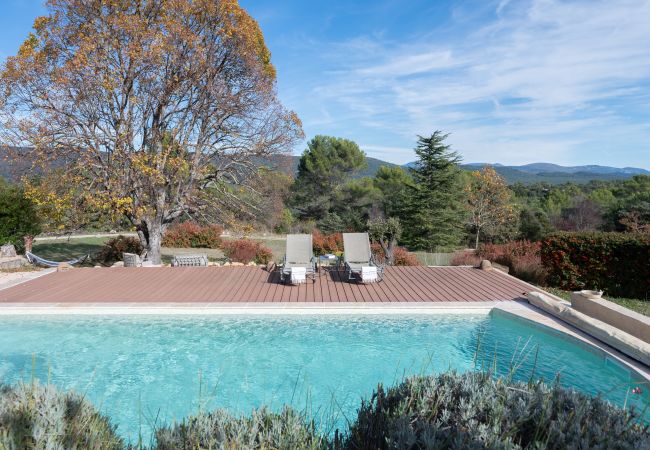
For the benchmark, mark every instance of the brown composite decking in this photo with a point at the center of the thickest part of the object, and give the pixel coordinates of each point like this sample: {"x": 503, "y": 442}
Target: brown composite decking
{"x": 253, "y": 284}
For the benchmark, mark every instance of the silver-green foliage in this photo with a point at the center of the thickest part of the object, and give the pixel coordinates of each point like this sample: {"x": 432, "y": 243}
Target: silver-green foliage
{"x": 40, "y": 417}
{"x": 475, "y": 410}
{"x": 261, "y": 430}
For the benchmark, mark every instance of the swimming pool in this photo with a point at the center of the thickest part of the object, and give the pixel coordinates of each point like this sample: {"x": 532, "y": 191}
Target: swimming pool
{"x": 144, "y": 371}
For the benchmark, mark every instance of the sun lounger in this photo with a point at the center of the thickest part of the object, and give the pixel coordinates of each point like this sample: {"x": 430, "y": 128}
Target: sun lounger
{"x": 299, "y": 262}
{"x": 359, "y": 262}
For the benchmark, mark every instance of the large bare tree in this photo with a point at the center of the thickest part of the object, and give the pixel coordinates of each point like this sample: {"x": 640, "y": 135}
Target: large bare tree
{"x": 153, "y": 101}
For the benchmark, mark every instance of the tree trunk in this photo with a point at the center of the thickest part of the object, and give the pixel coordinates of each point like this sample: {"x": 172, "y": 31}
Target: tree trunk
{"x": 389, "y": 250}
{"x": 155, "y": 241}
{"x": 150, "y": 232}
{"x": 478, "y": 232}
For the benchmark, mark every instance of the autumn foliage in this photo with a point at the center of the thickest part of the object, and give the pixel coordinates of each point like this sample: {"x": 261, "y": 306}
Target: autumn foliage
{"x": 522, "y": 258}
{"x": 145, "y": 105}
{"x": 488, "y": 201}
{"x": 402, "y": 256}
{"x": 327, "y": 243}
{"x": 192, "y": 235}
{"x": 246, "y": 251}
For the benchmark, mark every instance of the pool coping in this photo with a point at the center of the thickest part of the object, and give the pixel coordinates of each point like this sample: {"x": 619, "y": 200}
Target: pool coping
{"x": 245, "y": 308}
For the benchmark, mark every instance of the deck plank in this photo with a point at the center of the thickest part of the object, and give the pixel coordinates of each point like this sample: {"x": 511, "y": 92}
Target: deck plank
{"x": 253, "y": 284}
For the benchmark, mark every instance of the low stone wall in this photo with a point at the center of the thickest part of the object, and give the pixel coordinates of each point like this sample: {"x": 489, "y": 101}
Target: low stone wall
{"x": 618, "y": 339}
{"x": 617, "y": 316}
{"x": 13, "y": 262}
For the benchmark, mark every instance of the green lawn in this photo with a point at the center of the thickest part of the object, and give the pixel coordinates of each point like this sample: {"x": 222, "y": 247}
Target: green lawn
{"x": 62, "y": 250}
{"x": 640, "y": 306}
{"x": 434, "y": 259}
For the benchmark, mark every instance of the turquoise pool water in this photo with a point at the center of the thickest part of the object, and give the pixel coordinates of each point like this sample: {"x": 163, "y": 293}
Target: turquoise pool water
{"x": 151, "y": 370}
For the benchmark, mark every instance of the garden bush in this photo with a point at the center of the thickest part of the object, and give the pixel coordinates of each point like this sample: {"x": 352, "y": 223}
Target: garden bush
{"x": 39, "y": 417}
{"x": 246, "y": 251}
{"x": 402, "y": 256}
{"x": 18, "y": 216}
{"x": 477, "y": 411}
{"x": 523, "y": 258}
{"x": 465, "y": 258}
{"x": 112, "y": 250}
{"x": 192, "y": 235}
{"x": 262, "y": 430}
{"x": 617, "y": 263}
{"x": 327, "y": 243}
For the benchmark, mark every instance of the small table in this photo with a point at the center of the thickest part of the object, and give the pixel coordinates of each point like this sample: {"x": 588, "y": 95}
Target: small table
{"x": 328, "y": 260}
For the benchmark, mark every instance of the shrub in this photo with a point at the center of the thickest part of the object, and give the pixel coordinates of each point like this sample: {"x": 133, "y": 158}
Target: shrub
{"x": 263, "y": 430}
{"x": 18, "y": 216}
{"x": 617, "y": 263}
{"x": 475, "y": 410}
{"x": 402, "y": 256}
{"x": 327, "y": 243}
{"x": 113, "y": 249}
{"x": 465, "y": 258}
{"x": 38, "y": 416}
{"x": 523, "y": 258}
{"x": 192, "y": 235}
{"x": 246, "y": 251}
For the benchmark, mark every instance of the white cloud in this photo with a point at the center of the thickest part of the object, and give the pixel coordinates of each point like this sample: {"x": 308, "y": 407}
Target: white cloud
{"x": 541, "y": 81}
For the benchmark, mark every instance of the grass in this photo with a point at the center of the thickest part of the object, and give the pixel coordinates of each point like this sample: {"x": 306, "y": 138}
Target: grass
{"x": 434, "y": 259}
{"x": 640, "y": 306}
{"x": 62, "y": 250}
{"x": 28, "y": 268}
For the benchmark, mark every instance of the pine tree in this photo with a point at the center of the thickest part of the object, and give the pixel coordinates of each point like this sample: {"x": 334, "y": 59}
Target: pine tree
{"x": 435, "y": 214}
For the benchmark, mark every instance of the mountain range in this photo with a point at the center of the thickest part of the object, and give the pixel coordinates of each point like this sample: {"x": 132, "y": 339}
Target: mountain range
{"x": 527, "y": 173}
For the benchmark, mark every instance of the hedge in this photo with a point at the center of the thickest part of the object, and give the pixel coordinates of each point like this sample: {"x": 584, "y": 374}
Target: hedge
{"x": 617, "y": 263}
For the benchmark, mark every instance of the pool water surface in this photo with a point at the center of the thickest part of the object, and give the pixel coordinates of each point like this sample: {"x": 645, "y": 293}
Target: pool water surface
{"x": 146, "y": 371}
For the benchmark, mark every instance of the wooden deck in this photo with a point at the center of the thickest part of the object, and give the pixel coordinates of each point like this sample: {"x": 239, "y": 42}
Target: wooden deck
{"x": 253, "y": 284}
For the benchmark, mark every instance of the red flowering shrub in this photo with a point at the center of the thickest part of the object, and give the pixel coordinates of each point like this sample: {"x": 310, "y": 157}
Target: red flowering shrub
{"x": 193, "y": 235}
{"x": 521, "y": 257}
{"x": 402, "y": 256}
{"x": 246, "y": 251}
{"x": 326, "y": 243}
{"x": 617, "y": 263}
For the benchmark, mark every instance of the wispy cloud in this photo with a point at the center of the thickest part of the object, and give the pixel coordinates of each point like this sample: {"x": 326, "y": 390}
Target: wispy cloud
{"x": 563, "y": 81}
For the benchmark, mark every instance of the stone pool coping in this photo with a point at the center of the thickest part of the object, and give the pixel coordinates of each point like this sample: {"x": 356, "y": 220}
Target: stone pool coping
{"x": 245, "y": 308}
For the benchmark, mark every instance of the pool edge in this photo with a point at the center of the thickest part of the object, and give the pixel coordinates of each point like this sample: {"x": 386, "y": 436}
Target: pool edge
{"x": 252, "y": 308}
{"x": 530, "y": 314}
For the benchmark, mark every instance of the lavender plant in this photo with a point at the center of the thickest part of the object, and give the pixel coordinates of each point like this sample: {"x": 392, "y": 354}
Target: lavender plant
{"x": 476, "y": 410}
{"x": 40, "y": 417}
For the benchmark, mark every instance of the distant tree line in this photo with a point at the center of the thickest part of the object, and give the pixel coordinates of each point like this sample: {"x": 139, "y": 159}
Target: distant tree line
{"x": 435, "y": 204}
{"x": 439, "y": 206}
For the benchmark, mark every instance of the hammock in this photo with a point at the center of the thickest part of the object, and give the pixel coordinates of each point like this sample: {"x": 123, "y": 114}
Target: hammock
{"x": 47, "y": 263}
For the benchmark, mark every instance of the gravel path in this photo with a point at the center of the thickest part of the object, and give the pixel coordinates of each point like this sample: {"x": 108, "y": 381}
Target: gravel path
{"x": 8, "y": 279}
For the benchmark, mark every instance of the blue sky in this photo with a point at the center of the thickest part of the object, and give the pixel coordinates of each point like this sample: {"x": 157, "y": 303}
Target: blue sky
{"x": 513, "y": 81}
